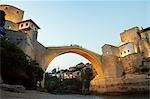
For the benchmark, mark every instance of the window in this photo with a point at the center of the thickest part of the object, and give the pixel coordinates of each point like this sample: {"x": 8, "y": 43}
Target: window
{"x": 26, "y": 24}
{"x": 128, "y": 51}
{"x": 9, "y": 27}
{"x": 124, "y": 51}
{"x": 17, "y": 11}
{"x": 6, "y": 7}
{"x": 21, "y": 25}
{"x": 121, "y": 53}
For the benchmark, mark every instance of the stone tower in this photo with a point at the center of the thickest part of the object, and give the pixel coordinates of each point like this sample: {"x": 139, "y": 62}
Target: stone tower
{"x": 14, "y": 21}
{"x": 21, "y": 32}
{"x": 12, "y": 13}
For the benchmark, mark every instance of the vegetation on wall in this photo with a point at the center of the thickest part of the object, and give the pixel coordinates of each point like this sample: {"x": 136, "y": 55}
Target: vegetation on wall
{"x": 17, "y": 67}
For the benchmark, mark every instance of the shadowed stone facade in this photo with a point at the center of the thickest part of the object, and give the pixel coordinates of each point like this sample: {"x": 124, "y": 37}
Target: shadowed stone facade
{"x": 118, "y": 68}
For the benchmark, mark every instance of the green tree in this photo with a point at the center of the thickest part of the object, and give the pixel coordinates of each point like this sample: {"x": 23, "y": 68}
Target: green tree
{"x": 51, "y": 83}
{"x": 54, "y": 71}
{"x": 86, "y": 77}
{"x": 17, "y": 67}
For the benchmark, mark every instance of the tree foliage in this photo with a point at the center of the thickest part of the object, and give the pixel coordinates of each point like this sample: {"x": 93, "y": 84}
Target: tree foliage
{"x": 51, "y": 83}
{"x": 54, "y": 71}
{"x": 86, "y": 77}
{"x": 86, "y": 74}
{"x": 59, "y": 85}
{"x": 17, "y": 67}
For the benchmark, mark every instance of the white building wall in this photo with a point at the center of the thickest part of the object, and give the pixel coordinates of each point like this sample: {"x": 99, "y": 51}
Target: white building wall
{"x": 126, "y": 49}
{"x": 24, "y": 25}
{"x": 27, "y": 24}
{"x": 32, "y": 26}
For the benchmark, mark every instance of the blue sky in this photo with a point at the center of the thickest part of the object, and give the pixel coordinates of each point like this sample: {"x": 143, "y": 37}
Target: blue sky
{"x": 89, "y": 23}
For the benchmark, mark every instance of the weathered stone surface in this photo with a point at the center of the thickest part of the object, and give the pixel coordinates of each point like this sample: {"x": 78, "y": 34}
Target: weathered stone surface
{"x": 12, "y": 13}
{"x": 130, "y": 83}
{"x": 12, "y": 88}
{"x": 114, "y": 63}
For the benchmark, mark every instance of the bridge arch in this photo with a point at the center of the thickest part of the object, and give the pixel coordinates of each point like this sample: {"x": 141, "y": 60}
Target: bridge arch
{"x": 94, "y": 58}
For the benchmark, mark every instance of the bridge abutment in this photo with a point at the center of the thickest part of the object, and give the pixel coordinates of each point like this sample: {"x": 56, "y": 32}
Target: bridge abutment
{"x": 128, "y": 84}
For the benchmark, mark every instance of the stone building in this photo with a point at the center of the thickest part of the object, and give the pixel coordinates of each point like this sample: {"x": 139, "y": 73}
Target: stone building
{"x": 126, "y": 67}
{"x": 22, "y": 32}
{"x": 128, "y": 56}
{"x": 13, "y": 14}
{"x": 110, "y": 50}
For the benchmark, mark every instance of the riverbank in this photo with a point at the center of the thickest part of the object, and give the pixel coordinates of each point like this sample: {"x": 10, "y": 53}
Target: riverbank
{"x": 32, "y": 94}
{"x": 41, "y": 95}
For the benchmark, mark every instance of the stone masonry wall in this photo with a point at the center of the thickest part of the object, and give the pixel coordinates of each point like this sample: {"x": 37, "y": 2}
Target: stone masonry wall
{"x": 12, "y": 13}
{"x": 112, "y": 67}
{"x": 11, "y": 26}
{"x": 22, "y": 41}
{"x": 130, "y": 83}
{"x": 110, "y": 50}
{"x": 34, "y": 49}
{"x": 39, "y": 51}
{"x": 130, "y": 35}
{"x": 131, "y": 62}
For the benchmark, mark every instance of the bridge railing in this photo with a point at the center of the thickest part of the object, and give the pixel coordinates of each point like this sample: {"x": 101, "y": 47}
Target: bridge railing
{"x": 71, "y": 45}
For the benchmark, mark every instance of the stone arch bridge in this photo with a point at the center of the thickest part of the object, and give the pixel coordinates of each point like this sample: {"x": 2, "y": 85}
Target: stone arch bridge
{"x": 94, "y": 58}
